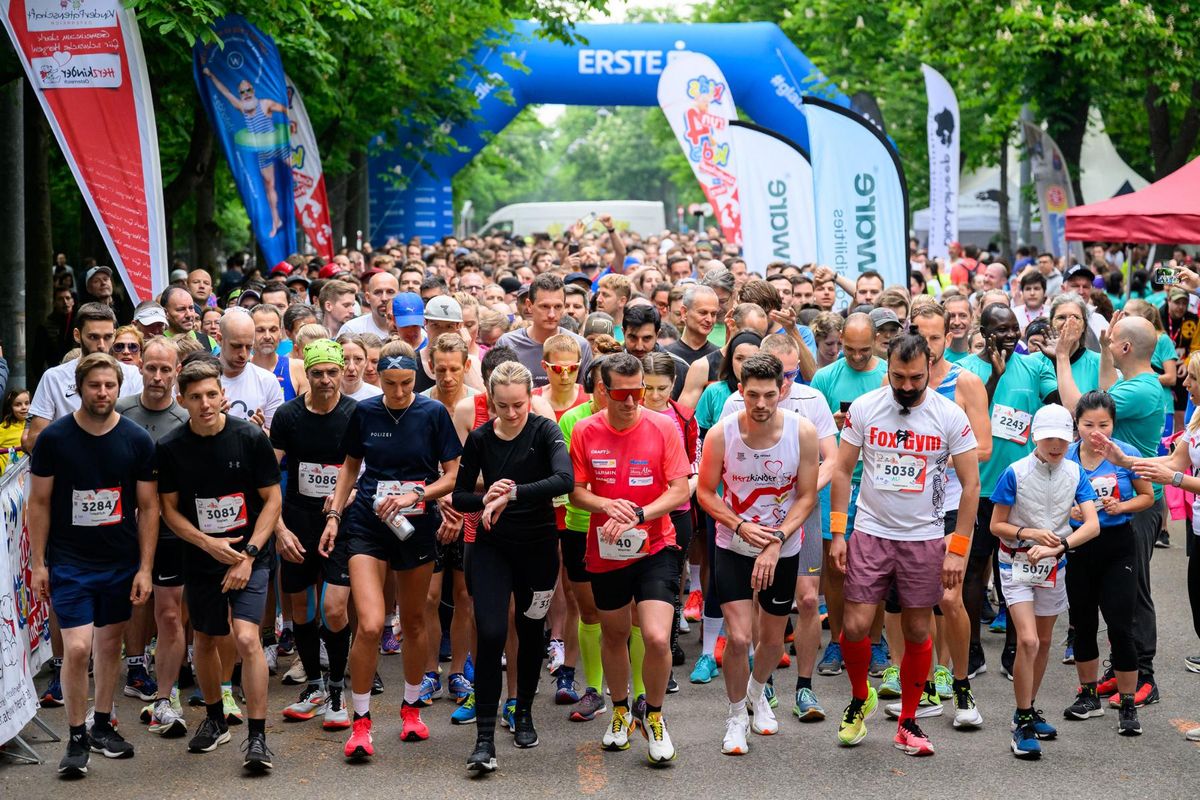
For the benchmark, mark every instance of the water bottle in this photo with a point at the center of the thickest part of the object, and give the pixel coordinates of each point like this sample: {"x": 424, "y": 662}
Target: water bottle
{"x": 397, "y": 523}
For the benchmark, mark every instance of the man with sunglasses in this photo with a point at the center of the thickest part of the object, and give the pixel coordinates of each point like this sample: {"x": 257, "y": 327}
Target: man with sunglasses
{"x": 630, "y": 473}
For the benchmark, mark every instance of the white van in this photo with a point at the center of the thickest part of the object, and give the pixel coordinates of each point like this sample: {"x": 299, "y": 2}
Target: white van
{"x": 523, "y": 219}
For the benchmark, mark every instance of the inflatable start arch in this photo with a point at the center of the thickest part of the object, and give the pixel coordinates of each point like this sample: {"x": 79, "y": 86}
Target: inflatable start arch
{"x": 617, "y": 65}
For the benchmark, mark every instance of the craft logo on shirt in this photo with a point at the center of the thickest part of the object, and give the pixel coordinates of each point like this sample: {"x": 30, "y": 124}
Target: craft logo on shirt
{"x": 904, "y": 440}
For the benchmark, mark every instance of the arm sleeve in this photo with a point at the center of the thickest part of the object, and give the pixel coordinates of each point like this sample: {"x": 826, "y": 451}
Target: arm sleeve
{"x": 273, "y": 401}
{"x": 280, "y": 430}
{"x": 465, "y": 497}
{"x": 41, "y": 405}
{"x": 1005, "y": 493}
{"x": 578, "y": 458}
{"x": 562, "y": 475}
{"x": 41, "y": 462}
{"x": 675, "y": 461}
{"x": 1047, "y": 378}
{"x": 963, "y": 438}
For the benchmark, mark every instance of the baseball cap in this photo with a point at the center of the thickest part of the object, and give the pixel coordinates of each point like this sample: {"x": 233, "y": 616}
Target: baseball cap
{"x": 1053, "y": 422}
{"x": 884, "y": 316}
{"x": 94, "y": 270}
{"x": 1176, "y": 292}
{"x": 509, "y": 284}
{"x": 150, "y": 314}
{"x": 237, "y": 294}
{"x": 296, "y": 277}
{"x": 282, "y": 268}
{"x": 578, "y": 277}
{"x": 328, "y": 271}
{"x": 408, "y": 310}
{"x": 1079, "y": 269}
{"x": 443, "y": 309}
{"x": 178, "y": 275}
{"x": 597, "y": 323}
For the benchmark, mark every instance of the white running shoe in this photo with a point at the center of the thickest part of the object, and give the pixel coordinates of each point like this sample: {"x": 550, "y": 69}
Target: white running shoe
{"x": 759, "y": 708}
{"x": 736, "y": 725}
{"x": 558, "y": 654}
{"x": 966, "y": 714}
{"x": 654, "y": 728}
{"x": 271, "y": 654}
{"x": 617, "y": 735}
{"x": 166, "y": 721}
{"x": 296, "y": 675}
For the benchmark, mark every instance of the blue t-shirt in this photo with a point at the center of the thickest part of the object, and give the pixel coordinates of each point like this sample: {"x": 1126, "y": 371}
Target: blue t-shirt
{"x": 1107, "y": 479}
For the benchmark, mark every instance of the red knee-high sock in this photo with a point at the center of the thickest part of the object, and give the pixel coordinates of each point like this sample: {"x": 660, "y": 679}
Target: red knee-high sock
{"x": 914, "y": 670}
{"x": 857, "y": 656}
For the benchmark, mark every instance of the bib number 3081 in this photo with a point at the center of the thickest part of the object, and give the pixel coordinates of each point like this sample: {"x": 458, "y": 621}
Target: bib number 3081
{"x": 629, "y": 546}
{"x": 221, "y": 514}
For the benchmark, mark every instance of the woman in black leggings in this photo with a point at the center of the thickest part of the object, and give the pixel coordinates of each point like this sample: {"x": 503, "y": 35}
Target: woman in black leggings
{"x": 514, "y": 557}
{"x": 1101, "y": 575}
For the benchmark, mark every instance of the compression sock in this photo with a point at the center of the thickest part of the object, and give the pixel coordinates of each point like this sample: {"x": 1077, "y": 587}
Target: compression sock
{"x": 337, "y": 647}
{"x": 857, "y": 657}
{"x": 712, "y": 629}
{"x": 308, "y": 646}
{"x": 693, "y": 577}
{"x": 637, "y": 655}
{"x": 589, "y": 654}
{"x": 914, "y": 668}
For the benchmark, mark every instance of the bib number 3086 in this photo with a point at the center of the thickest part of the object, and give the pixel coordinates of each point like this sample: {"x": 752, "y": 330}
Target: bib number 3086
{"x": 629, "y": 546}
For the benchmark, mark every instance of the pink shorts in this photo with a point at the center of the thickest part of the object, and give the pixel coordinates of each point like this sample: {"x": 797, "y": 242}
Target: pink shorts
{"x": 873, "y": 564}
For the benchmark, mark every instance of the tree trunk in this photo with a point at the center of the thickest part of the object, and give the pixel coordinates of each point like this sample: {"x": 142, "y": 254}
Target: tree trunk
{"x": 1171, "y": 150}
{"x": 355, "y": 199}
{"x": 1005, "y": 227}
{"x": 12, "y": 230}
{"x": 39, "y": 242}
{"x": 196, "y": 165}
{"x": 205, "y": 234}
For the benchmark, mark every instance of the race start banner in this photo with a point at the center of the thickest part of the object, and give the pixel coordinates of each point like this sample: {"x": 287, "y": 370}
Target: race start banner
{"x": 85, "y": 63}
{"x": 775, "y": 185}
{"x": 312, "y": 204}
{"x": 1054, "y": 190}
{"x": 693, "y": 93}
{"x": 242, "y": 87}
{"x": 859, "y": 194}
{"x": 942, "y": 128}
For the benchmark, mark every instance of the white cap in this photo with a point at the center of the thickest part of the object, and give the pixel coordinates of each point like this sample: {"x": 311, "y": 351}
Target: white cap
{"x": 1053, "y": 422}
{"x": 443, "y": 309}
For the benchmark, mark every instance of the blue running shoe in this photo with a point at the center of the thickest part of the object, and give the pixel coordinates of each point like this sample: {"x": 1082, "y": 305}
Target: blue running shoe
{"x": 1000, "y": 623}
{"x": 469, "y": 669}
{"x": 831, "y": 663}
{"x": 508, "y": 716}
{"x": 705, "y": 670}
{"x": 807, "y": 709}
{"x": 431, "y": 687}
{"x": 1025, "y": 744}
{"x": 53, "y": 696}
{"x": 1040, "y": 727}
{"x": 460, "y": 688}
{"x": 465, "y": 713}
{"x": 139, "y": 684}
{"x": 881, "y": 658}
{"x": 565, "y": 692}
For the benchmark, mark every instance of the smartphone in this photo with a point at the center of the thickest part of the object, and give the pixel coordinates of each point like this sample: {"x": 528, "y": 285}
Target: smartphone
{"x": 572, "y": 248}
{"x": 588, "y": 220}
{"x": 1166, "y": 276}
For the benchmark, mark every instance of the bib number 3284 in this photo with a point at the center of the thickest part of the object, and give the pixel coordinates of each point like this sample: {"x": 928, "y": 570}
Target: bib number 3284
{"x": 629, "y": 546}
{"x": 91, "y": 508}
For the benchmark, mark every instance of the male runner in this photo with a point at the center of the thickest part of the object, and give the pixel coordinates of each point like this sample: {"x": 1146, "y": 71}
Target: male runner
{"x": 253, "y": 393}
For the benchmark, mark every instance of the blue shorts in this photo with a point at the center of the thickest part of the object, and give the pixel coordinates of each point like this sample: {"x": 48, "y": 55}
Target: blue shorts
{"x": 91, "y": 595}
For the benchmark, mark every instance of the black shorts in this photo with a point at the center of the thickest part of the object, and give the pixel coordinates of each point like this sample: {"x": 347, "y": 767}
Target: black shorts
{"x": 210, "y": 608}
{"x": 366, "y": 535}
{"x": 449, "y": 556}
{"x": 655, "y": 577}
{"x": 168, "y": 562}
{"x": 891, "y": 603}
{"x": 309, "y": 525}
{"x": 732, "y": 573}
{"x": 574, "y": 551}
{"x": 683, "y": 522}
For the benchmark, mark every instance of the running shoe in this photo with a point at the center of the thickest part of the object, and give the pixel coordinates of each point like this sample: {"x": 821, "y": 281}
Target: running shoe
{"x": 853, "y": 727}
{"x": 764, "y": 722}
{"x": 210, "y": 735}
{"x": 312, "y": 698}
{"x": 976, "y": 663}
{"x": 683, "y": 625}
{"x": 558, "y": 654}
{"x": 287, "y": 642}
{"x": 295, "y": 676}
{"x": 90, "y": 718}
{"x": 719, "y": 651}
{"x": 1127, "y": 721}
{"x": 1069, "y": 647}
{"x": 460, "y": 688}
{"x": 880, "y": 658}
{"x": 376, "y": 685}
{"x": 735, "y": 743}
{"x": 705, "y": 669}
{"x": 1025, "y": 743}
{"x": 166, "y": 721}
{"x": 196, "y": 698}
{"x": 929, "y": 706}
{"x": 108, "y": 743}
{"x": 1007, "y": 656}
{"x": 617, "y": 735}
{"x": 258, "y": 755}
{"x": 589, "y": 705}
{"x": 1041, "y": 728}
{"x": 464, "y": 714}
{"x": 271, "y": 654}
{"x": 389, "y": 645}
{"x": 469, "y": 669}
{"x": 361, "y": 744}
{"x": 233, "y": 713}
{"x": 678, "y": 657}
{"x": 912, "y": 740}
{"x": 483, "y": 757}
{"x": 769, "y": 693}
{"x": 524, "y": 734}
{"x": 324, "y": 654}
{"x": 139, "y": 684}
{"x": 431, "y": 688}
{"x": 1192, "y": 663}
{"x": 53, "y": 698}
{"x": 1163, "y": 540}
{"x": 336, "y": 716}
{"x": 785, "y": 661}
{"x": 1193, "y": 735}
{"x": 889, "y": 687}
{"x": 693, "y": 609}
{"x": 1086, "y": 705}
{"x": 943, "y": 682}
{"x": 509, "y": 713}
{"x": 660, "y": 751}
{"x": 1000, "y": 623}
{"x": 74, "y": 763}
{"x": 175, "y": 704}
{"x": 987, "y": 612}
{"x": 807, "y": 709}
{"x": 831, "y": 663}
{"x": 672, "y": 684}
{"x": 1147, "y": 694}
{"x": 966, "y": 714}
{"x": 414, "y": 729}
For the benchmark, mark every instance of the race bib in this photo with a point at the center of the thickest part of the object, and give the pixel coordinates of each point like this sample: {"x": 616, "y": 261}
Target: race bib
{"x": 1041, "y": 575}
{"x": 1009, "y": 423}
{"x": 221, "y": 514}
{"x": 629, "y": 546}
{"x": 899, "y": 472}
{"x": 539, "y": 605}
{"x": 1106, "y": 486}
{"x": 743, "y": 548}
{"x": 559, "y": 501}
{"x": 390, "y": 488}
{"x": 92, "y": 508}
{"x": 317, "y": 480}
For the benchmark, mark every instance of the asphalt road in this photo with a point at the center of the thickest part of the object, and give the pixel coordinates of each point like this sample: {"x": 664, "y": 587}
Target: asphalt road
{"x": 1087, "y": 761}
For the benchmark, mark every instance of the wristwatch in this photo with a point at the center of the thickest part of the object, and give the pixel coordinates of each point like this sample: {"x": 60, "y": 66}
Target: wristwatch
{"x": 641, "y": 514}
{"x": 252, "y": 550}
{"x": 1177, "y": 479}
{"x": 419, "y": 491}
{"x": 780, "y": 535}
{"x": 1062, "y": 539}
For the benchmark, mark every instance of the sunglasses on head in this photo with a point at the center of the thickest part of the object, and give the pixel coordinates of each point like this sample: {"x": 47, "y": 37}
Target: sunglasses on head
{"x": 126, "y": 347}
{"x": 621, "y": 395}
{"x": 562, "y": 369}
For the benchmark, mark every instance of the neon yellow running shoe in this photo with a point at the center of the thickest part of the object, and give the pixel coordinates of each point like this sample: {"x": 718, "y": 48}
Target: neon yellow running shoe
{"x": 853, "y": 728}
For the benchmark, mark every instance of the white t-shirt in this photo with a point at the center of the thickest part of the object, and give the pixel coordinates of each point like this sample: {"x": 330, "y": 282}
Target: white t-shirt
{"x": 366, "y": 392}
{"x": 365, "y": 324}
{"x": 56, "y": 396}
{"x": 1193, "y": 440}
{"x": 905, "y": 459}
{"x": 255, "y": 388}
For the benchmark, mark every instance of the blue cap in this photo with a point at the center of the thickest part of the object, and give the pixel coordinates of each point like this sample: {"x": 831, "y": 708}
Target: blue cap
{"x": 631, "y": 260}
{"x": 408, "y": 309}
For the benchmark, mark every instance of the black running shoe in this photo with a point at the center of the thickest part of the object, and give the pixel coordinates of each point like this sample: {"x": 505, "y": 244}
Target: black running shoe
{"x": 108, "y": 743}
{"x": 976, "y": 663}
{"x": 1087, "y": 704}
{"x": 258, "y": 755}
{"x": 1163, "y": 540}
{"x": 377, "y": 685}
{"x": 524, "y": 734}
{"x": 483, "y": 758}
{"x": 1128, "y": 724}
{"x": 75, "y": 763}
{"x": 678, "y": 657}
{"x": 209, "y": 737}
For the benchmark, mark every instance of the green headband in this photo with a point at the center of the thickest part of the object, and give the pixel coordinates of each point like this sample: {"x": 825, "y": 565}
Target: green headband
{"x": 323, "y": 351}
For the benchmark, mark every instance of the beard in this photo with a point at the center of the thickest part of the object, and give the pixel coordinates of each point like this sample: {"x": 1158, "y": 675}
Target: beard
{"x": 907, "y": 398}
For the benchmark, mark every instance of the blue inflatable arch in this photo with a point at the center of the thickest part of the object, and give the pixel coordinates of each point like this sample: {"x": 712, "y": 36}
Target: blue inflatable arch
{"x": 618, "y": 65}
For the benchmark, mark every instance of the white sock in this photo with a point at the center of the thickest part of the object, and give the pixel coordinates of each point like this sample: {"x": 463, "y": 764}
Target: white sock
{"x": 712, "y": 629}
{"x": 412, "y": 692}
{"x": 135, "y": 661}
{"x": 694, "y": 577}
{"x": 390, "y": 622}
{"x": 738, "y": 709}
{"x": 361, "y": 702}
{"x": 754, "y": 690}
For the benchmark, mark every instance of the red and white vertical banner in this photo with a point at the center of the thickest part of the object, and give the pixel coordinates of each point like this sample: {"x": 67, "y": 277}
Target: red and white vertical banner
{"x": 693, "y": 93}
{"x": 308, "y": 179}
{"x": 85, "y": 61}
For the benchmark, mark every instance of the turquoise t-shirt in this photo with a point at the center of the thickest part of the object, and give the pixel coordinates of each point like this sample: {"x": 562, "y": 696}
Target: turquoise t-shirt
{"x": 1085, "y": 369}
{"x": 717, "y": 335}
{"x": 840, "y": 383}
{"x": 1140, "y": 415}
{"x": 708, "y": 409}
{"x": 953, "y": 356}
{"x": 1164, "y": 351}
{"x": 1026, "y": 383}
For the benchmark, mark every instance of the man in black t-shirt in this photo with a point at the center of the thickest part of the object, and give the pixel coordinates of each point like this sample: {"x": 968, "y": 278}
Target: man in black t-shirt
{"x": 93, "y": 514}
{"x": 219, "y": 488}
{"x": 700, "y": 309}
{"x": 308, "y": 431}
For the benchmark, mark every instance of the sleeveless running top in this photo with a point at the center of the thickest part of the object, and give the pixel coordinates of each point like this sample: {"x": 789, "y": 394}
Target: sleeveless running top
{"x": 948, "y": 388}
{"x": 581, "y": 397}
{"x": 759, "y": 485}
{"x": 284, "y": 375}
{"x": 471, "y": 518}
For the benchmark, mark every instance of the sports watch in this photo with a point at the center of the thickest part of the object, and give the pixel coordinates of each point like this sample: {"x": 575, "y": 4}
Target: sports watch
{"x": 1177, "y": 479}
{"x": 252, "y": 550}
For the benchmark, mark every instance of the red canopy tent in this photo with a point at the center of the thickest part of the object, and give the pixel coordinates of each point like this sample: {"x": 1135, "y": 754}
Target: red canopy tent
{"x": 1167, "y": 211}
